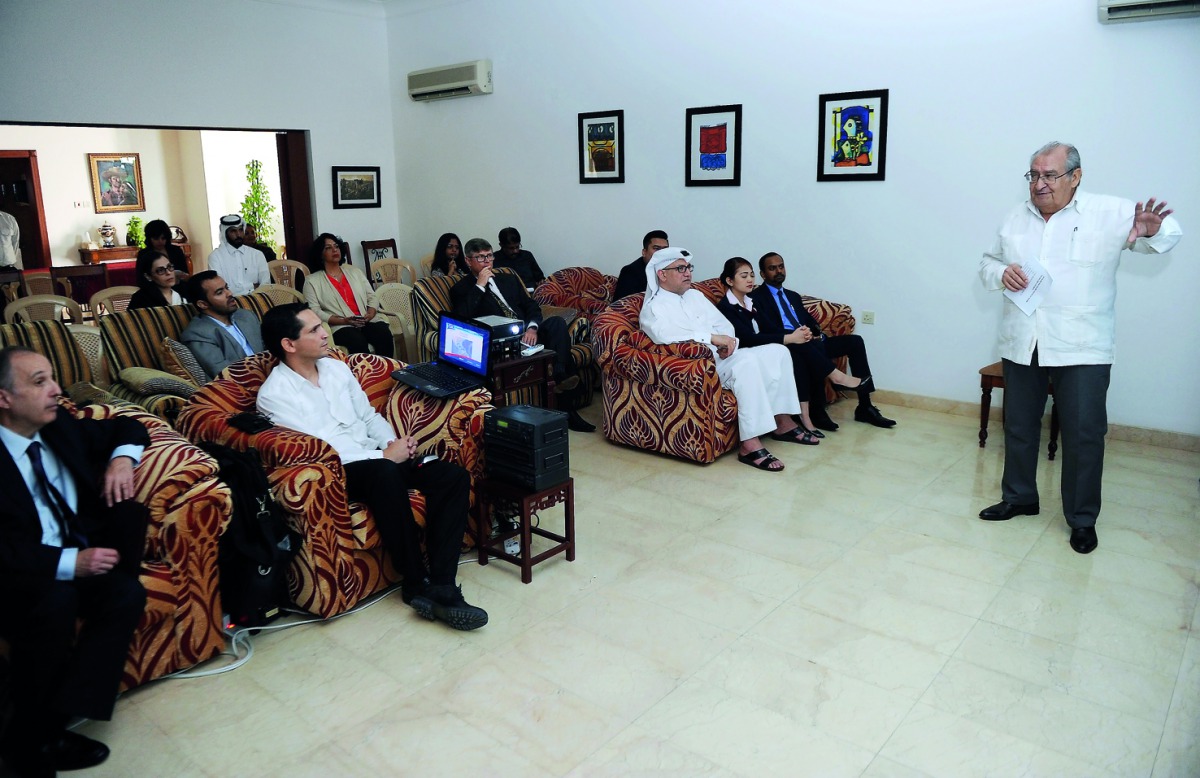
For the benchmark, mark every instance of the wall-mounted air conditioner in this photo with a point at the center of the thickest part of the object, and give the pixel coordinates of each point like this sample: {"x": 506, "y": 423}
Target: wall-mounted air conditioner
{"x": 462, "y": 80}
{"x": 1112, "y": 11}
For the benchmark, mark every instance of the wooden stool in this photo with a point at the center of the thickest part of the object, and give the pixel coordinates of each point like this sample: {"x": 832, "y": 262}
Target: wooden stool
{"x": 492, "y": 490}
{"x": 992, "y": 377}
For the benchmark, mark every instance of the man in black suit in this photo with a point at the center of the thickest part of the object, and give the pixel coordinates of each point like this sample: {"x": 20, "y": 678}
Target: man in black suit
{"x": 71, "y": 545}
{"x": 483, "y": 292}
{"x": 633, "y": 276}
{"x": 783, "y": 311}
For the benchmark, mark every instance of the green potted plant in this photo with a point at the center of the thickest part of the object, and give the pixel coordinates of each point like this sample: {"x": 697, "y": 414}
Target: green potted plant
{"x": 135, "y": 234}
{"x": 257, "y": 209}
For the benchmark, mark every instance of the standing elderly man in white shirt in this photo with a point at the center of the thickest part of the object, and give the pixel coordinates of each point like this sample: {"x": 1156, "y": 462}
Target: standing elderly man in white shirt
{"x": 319, "y": 396}
{"x": 760, "y": 378}
{"x": 1078, "y": 238}
{"x": 10, "y": 242}
{"x": 243, "y": 267}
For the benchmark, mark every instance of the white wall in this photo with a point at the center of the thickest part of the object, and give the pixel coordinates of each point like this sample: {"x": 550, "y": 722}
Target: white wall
{"x": 70, "y": 209}
{"x": 316, "y": 65}
{"x": 974, "y": 89}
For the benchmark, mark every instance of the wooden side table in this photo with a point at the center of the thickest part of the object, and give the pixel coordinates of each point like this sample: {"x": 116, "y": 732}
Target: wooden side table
{"x": 513, "y": 374}
{"x": 492, "y": 491}
{"x": 992, "y": 377}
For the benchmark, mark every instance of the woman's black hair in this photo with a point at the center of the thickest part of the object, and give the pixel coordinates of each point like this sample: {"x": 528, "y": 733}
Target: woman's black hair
{"x": 144, "y": 268}
{"x": 731, "y": 268}
{"x": 440, "y": 260}
{"x": 316, "y": 252}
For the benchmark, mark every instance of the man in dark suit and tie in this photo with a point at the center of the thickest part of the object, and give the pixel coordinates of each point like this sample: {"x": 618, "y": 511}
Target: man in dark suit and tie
{"x": 483, "y": 292}
{"x": 783, "y": 311}
{"x": 223, "y": 333}
{"x": 71, "y": 545}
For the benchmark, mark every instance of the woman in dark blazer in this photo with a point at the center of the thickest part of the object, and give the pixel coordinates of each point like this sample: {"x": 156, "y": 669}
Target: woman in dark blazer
{"x": 156, "y": 279}
{"x": 738, "y": 279}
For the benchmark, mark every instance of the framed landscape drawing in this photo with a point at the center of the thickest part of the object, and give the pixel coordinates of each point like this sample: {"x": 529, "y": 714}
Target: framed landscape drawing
{"x": 116, "y": 182}
{"x": 602, "y": 147}
{"x": 356, "y": 187}
{"x": 713, "y": 146}
{"x": 852, "y": 140}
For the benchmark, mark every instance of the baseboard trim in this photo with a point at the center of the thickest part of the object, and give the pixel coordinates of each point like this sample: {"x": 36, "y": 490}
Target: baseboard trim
{"x": 1164, "y": 438}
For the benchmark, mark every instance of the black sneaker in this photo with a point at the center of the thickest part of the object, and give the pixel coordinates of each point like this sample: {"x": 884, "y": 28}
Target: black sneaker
{"x": 445, "y": 603}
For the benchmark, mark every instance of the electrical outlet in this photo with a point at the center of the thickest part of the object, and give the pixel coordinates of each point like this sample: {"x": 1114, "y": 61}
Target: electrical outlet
{"x": 868, "y": 317}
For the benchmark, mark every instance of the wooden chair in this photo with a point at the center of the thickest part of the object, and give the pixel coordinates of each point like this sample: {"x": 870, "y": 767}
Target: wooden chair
{"x": 391, "y": 271}
{"x": 38, "y": 282}
{"x": 395, "y": 300}
{"x": 992, "y": 377}
{"x": 111, "y": 300}
{"x": 286, "y": 272}
{"x": 375, "y": 250}
{"x": 42, "y": 307}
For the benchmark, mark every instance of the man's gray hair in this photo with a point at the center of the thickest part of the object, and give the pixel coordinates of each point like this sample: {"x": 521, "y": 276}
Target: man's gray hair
{"x": 476, "y": 245}
{"x": 1072, "y": 154}
{"x": 7, "y": 380}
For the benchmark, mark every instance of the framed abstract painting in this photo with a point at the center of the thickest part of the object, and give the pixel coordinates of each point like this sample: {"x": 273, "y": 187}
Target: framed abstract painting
{"x": 852, "y": 138}
{"x": 713, "y": 147}
{"x": 602, "y": 147}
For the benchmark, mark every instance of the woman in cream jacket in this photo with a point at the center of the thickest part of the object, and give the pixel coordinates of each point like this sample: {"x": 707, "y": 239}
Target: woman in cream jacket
{"x": 342, "y": 296}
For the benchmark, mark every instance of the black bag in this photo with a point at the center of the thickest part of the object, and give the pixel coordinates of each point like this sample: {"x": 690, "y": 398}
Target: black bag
{"x": 256, "y": 549}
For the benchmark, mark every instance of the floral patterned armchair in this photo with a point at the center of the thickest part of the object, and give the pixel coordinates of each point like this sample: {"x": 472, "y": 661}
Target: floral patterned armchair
{"x": 667, "y": 398}
{"x": 585, "y": 289}
{"x": 341, "y": 559}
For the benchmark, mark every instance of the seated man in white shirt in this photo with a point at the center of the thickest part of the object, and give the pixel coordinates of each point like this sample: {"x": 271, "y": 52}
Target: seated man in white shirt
{"x": 223, "y": 333}
{"x": 321, "y": 397}
{"x": 244, "y": 267}
{"x": 760, "y": 378}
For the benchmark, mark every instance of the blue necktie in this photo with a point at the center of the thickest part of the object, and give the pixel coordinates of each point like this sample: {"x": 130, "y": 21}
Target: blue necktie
{"x": 790, "y": 322}
{"x": 54, "y": 498}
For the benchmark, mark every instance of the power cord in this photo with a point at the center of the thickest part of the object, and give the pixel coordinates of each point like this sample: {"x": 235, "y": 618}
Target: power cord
{"x": 239, "y": 637}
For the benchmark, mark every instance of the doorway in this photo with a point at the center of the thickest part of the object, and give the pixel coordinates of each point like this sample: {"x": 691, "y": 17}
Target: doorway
{"x": 21, "y": 198}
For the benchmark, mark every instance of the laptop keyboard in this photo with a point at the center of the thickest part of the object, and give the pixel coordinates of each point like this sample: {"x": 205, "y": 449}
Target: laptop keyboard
{"x": 440, "y": 378}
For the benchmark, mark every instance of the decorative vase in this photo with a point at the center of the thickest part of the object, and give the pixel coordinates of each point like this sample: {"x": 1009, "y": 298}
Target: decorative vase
{"x": 107, "y": 233}
{"x": 130, "y": 240}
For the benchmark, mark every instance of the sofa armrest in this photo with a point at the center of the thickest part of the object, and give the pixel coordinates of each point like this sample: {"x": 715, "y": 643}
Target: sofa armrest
{"x": 833, "y": 318}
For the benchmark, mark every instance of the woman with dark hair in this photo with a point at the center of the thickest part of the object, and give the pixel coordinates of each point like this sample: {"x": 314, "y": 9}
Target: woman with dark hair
{"x": 447, "y": 257}
{"x": 512, "y": 255}
{"x": 158, "y": 237}
{"x": 342, "y": 296}
{"x": 156, "y": 281}
{"x": 738, "y": 279}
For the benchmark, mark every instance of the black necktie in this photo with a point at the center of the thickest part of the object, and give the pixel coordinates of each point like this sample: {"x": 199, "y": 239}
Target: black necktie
{"x": 504, "y": 308}
{"x": 790, "y": 322}
{"x": 54, "y": 498}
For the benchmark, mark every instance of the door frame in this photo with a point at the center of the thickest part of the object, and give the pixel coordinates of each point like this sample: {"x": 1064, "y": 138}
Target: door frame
{"x": 41, "y": 250}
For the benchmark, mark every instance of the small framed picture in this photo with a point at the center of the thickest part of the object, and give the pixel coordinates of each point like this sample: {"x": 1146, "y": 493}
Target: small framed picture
{"x": 356, "y": 187}
{"x": 116, "y": 182}
{"x": 602, "y": 147}
{"x": 852, "y": 140}
{"x": 714, "y": 146}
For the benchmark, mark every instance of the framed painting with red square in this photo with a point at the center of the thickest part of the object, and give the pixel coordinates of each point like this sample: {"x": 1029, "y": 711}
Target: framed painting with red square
{"x": 713, "y": 149}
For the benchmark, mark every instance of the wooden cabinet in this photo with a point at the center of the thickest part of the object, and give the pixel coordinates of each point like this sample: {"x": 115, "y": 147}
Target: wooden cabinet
{"x": 124, "y": 254}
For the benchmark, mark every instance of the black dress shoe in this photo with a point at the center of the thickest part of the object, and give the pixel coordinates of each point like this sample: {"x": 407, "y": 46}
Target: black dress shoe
{"x": 1083, "y": 539}
{"x": 1003, "y": 511}
{"x": 822, "y": 421}
{"x": 73, "y": 751}
{"x": 869, "y": 414}
{"x": 578, "y": 423}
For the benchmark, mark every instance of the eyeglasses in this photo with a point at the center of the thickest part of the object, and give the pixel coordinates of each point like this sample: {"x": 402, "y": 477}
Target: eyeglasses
{"x": 486, "y": 256}
{"x": 681, "y": 268}
{"x": 1033, "y": 176}
{"x": 164, "y": 271}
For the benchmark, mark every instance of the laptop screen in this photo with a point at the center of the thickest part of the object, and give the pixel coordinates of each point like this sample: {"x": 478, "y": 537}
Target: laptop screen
{"x": 464, "y": 345}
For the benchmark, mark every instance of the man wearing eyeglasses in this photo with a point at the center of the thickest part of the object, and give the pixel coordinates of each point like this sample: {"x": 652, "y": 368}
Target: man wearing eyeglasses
{"x": 1068, "y": 340}
{"x": 484, "y": 292}
{"x": 760, "y": 378}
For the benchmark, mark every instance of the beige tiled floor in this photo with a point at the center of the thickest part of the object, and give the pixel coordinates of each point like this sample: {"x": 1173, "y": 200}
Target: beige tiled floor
{"x": 850, "y": 616}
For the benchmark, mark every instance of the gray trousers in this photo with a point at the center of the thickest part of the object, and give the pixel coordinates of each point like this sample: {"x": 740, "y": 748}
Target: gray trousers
{"x": 1080, "y": 392}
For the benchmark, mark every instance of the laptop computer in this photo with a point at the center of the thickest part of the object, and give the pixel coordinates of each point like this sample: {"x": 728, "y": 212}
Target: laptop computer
{"x": 462, "y": 363}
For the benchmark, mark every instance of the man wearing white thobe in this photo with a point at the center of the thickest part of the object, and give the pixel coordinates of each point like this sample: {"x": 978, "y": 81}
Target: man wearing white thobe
{"x": 243, "y": 267}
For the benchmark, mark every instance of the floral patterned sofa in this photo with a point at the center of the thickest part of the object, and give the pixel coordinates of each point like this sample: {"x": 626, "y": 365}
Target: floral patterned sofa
{"x": 341, "y": 559}
{"x": 189, "y": 509}
{"x": 667, "y": 398}
{"x": 585, "y": 289}
{"x": 431, "y": 296}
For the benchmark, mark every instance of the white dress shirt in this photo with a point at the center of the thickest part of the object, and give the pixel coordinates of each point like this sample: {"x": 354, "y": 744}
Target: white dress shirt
{"x": 10, "y": 241}
{"x": 338, "y": 411}
{"x": 1080, "y": 247}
